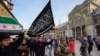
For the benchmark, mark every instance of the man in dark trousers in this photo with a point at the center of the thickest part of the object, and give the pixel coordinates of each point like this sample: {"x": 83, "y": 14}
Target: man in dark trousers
{"x": 90, "y": 41}
{"x": 7, "y": 48}
{"x": 40, "y": 46}
{"x": 31, "y": 46}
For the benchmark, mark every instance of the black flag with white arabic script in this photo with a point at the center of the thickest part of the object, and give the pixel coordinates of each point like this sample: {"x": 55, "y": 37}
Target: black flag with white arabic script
{"x": 43, "y": 22}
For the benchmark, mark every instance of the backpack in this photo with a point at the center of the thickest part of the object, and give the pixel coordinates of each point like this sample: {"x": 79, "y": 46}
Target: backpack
{"x": 84, "y": 43}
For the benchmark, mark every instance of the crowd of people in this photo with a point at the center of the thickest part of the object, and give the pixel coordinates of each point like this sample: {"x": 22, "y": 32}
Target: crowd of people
{"x": 37, "y": 46}
{"x": 87, "y": 44}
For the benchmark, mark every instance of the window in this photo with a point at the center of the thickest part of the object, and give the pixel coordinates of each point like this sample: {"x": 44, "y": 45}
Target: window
{"x": 99, "y": 19}
{"x": 98, "y": 30}
{"x": 64, "y": 34}
{"x": 73, "y": 32}
{"x": 93, "y": 10}
{"x": 95, "y": 20}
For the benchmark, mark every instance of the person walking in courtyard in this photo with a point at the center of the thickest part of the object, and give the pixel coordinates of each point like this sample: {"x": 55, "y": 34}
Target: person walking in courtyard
{"x": 90, "y": 41}
{"x": 62, "y": 49}
{"x": 98, "y": 43}
{"x": 84, "y": 46}
{"x": 71, "y": 45}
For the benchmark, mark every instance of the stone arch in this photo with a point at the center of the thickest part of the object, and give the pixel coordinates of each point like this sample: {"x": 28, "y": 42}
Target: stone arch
{"x": 83, "y": 31}
{"x": 73, "y": 30}
{"x": 78, "y": 32}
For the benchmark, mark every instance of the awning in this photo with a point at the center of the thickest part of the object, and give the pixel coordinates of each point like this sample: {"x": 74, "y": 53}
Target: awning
{"x": 9, "y": 25}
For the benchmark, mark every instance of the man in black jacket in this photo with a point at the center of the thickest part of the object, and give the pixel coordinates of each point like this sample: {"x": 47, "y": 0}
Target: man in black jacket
{"x": 31, "y": 44}
{"x": 7, "y": 48}
{"x": 40, "y": 45}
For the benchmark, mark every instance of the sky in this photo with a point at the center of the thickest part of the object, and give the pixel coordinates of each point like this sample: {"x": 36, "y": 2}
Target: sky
{"x": 26, "y": 11}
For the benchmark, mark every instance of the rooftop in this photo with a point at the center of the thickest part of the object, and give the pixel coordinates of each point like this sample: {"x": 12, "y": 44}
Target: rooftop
{"x": 97, "y": 11}
{"x": 61, "y": 25}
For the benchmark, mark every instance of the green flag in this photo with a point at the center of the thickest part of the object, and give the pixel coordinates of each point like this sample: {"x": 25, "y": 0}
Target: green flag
{"x": 9, "y": 25}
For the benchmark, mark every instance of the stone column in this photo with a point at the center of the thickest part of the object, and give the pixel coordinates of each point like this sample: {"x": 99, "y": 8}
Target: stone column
{"x": 91, "y": 30}
{"x": 81, "y": 32}
{"x": 69, "y": 31}
{"x": 75, "y": 32}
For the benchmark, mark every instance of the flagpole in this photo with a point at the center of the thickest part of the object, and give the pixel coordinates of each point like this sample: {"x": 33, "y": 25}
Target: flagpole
{"x": 50, "y": 1}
